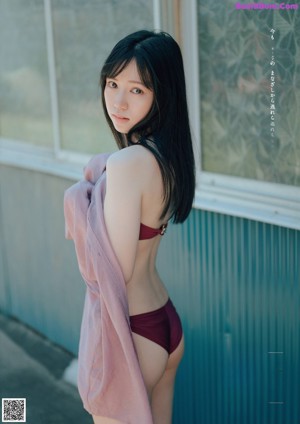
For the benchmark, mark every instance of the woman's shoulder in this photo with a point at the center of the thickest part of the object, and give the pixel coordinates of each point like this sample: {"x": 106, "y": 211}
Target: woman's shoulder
{"x": 130, "y": 159}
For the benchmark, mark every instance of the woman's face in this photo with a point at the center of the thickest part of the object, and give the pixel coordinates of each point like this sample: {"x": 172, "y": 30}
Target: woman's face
{"x": 127, "y": 99}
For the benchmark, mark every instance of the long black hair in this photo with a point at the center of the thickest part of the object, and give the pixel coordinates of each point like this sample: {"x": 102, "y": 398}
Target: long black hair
{"x": 165, "y": 131}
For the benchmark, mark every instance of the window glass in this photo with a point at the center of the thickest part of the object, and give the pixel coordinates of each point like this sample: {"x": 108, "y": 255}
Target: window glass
{"x": 25, "y": 111}
{"x": 240, "y": 52}
{"x": 84, "y": 34}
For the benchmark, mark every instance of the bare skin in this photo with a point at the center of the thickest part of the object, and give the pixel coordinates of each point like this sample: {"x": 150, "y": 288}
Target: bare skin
{"x": 104, "y": 420}
{"x": 134, "y": 194}
{"x": 129, "y": 201}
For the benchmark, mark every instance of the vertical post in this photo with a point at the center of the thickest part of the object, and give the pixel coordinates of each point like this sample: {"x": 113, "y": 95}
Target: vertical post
{"x": 52, "y": 76}
{"x": 157, "y": 12}
{"x": 190, "y": 50}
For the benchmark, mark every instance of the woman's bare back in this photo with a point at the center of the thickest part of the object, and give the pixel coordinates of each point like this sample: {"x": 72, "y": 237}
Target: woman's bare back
{"x": 138, "y": 200}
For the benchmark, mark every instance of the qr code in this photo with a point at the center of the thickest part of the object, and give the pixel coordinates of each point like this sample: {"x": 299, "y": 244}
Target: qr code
{"x": 13, "y": 410}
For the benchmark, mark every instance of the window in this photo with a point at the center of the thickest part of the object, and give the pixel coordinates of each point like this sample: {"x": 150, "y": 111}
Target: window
{"x": 25, "y": 112}
{"x": 83, "y": 34}
{"x": 51, "y": 55}
{"x": 235, "y": 51}
{"x": 243, "y": 169}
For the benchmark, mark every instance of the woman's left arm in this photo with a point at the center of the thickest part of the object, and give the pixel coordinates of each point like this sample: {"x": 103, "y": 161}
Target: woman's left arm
{"x": 122, "y": 206}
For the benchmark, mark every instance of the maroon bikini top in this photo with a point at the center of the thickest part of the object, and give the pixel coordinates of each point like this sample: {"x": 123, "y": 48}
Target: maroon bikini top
{"x": 148, "y": 232}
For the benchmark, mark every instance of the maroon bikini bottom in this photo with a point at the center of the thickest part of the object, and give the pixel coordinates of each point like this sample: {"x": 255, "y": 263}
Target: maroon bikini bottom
{"x": 161, "y": 326}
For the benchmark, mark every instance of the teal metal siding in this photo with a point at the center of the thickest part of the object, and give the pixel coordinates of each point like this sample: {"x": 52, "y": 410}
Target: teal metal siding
{"x": 235, "y": 283}
{"x": 40, "y": 283}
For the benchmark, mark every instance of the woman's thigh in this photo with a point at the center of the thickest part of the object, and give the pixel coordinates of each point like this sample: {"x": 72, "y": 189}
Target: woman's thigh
{"x": 104, "y": 420}
{"x": 162, "y": 395}
{"x": 153, "y": 360}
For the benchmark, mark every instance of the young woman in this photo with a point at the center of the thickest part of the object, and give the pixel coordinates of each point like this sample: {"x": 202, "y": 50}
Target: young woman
{"x": 149, "y": 181}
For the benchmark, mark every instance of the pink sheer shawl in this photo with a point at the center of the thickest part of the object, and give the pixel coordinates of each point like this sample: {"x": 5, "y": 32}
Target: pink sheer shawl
{"x": 110, "y": 382}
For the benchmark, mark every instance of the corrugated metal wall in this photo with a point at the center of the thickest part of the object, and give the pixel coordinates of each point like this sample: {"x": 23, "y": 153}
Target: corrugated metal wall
{"x": 40, "y": 282}
{"x": 236, "y": 284}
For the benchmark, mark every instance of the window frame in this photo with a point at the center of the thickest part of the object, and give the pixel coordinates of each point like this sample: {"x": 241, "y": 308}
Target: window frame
{"x": 266, "y": 202}
{"x": 60, "y": 153}
{"x": 246, "y": 198}
{"x": 56, "y": 160}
